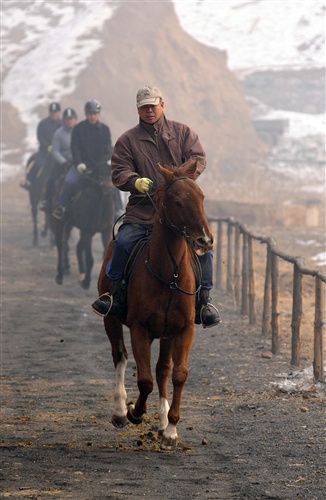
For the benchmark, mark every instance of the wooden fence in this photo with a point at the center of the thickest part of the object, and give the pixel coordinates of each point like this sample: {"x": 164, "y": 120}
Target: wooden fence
{"x": 238, "y": 244}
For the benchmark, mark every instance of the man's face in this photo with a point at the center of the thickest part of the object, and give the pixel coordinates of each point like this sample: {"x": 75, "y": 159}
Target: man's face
{"x": 151, "y": 114}
{"x": 55, "y": 116}
{"x": 70, "y": 122}
{"x": 93, "y": 117}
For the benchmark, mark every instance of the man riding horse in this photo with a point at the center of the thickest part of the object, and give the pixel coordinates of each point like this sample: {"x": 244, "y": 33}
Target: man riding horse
{"x": 90, "y": 146}
{"x": 45, "y": 132}
{"x": 135, "y": 160}
{"x": 62, "y": 156}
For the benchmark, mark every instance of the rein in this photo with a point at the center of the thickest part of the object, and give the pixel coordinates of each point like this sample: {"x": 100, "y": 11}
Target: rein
{"x": 173, "y": 285}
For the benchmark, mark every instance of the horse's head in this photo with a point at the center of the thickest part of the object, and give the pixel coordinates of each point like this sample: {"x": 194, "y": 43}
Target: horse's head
{"x": 104, "y": 175}
{"x": 180, "y": 203}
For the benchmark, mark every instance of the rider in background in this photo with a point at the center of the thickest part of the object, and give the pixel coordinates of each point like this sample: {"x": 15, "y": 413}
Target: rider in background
{"x": 90, "y": 146}
{"x": 134, "y": 168}
{"x": 62, "y": 155}
{"x": 45, "y": 131}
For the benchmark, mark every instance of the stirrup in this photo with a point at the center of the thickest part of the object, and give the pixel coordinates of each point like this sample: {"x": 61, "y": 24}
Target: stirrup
{"x": 217, "y": 319}
{"x": 102, "y": 307}
{"x": 59, "y": 212}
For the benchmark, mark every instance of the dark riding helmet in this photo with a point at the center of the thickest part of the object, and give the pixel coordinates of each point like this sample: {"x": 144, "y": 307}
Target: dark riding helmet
{"x": 69, "y": 113}
{"x": 54, "y": 107}
{"x": 92, "y": 106}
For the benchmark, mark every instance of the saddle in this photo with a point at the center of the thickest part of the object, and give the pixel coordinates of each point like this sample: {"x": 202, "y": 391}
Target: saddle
{"x": 138, "y": 249}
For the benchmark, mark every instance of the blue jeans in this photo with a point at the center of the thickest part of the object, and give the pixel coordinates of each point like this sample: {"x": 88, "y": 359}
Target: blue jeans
{"x": 126, "y": 239}
{"x": 73, "y": 180}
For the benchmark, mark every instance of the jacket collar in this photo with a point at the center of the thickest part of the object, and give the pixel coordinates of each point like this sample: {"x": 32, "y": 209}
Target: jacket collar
{"x": 161, "y": 127}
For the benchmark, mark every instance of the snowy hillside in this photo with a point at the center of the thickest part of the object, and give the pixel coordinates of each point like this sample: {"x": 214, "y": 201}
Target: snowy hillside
{"x": 46, "y": 44}
{"x": 259, "y": 34}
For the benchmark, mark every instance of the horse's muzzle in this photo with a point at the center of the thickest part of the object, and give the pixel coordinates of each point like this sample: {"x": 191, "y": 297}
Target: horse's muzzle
{"x": 204, "y": 244}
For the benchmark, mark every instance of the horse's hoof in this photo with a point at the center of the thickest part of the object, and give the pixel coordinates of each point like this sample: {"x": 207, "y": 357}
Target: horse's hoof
{"x": 58, "y": 280}
{"x": 168, "y": 443}
{"x": 119, "y": 422}
{"x": 131, "y": 417}
{"x": 84, "y": 285}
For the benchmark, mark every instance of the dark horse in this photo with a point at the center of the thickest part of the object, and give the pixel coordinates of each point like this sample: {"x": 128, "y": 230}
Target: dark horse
{"x": 35, "y": 195}
{"x": 92, "y": 210}
{"x": 162, "y": 291}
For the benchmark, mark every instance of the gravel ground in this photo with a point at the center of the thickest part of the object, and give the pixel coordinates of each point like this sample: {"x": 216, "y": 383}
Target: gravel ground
{"x": 241, "y": 434}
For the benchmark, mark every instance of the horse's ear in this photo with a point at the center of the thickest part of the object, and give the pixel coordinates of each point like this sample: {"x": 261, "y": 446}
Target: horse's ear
{"x": 167, "y": 174}
{"x": 190, "y": 168}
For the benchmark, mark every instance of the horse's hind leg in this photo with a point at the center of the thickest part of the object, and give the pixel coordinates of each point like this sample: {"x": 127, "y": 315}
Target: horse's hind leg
{"x": 114, "y": 331}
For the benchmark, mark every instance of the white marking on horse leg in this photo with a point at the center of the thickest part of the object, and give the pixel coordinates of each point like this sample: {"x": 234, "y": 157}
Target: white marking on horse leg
{"x": 120, "y": 394}
{"x": 81, "y": 277}
{"x": 163, "y": 410}
{"x": 170, "y": 432}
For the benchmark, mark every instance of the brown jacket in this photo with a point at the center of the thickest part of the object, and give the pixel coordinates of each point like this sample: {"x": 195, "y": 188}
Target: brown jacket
{"x": 137, "y": 153}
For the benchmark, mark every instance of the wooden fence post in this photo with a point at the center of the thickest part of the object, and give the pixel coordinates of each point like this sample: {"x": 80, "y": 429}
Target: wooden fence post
{"x": 237, "y": 281}
{"x": 244, "y": 288}
{"x": 296, "y": 315}
{"x": 219, "y": 255}
{"x": 252, "y": 295}
{"x": 318, "y": 332}
{"x": 275, "y": 306}
{"x": 229, "y": 279}
{"x": 266, "y": 321}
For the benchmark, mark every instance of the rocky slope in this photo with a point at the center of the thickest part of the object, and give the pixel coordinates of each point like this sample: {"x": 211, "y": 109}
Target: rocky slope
{"x": 144, "y": 44}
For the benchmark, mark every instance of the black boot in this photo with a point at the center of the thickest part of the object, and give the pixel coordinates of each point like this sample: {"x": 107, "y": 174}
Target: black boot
{"x": 206, "y": 313}
{"x": 25, "y": 184}
{"x": 45, "y": 206}
{"x": 113, "y": 302}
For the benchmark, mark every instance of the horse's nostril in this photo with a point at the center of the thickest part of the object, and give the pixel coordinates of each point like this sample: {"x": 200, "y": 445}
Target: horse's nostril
{"x": 201, "y": 242}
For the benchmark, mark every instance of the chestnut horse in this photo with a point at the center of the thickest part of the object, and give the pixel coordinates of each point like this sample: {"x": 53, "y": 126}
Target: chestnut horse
{"x": 162, "y": 290}
{"x": 92, "y": 210}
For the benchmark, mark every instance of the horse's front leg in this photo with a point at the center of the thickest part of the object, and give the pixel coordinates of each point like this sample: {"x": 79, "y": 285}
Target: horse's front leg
{"x": 85, "y": 259}
{"x": 60, "y": 240}
{"x": 163, "y": 369}
{"x": 105, "y": 240}
{"x": 180, "y": 354}
{"x": 141, "y": 348}
{"x": 34, "y": 218}
{"x": 114, "y": 331}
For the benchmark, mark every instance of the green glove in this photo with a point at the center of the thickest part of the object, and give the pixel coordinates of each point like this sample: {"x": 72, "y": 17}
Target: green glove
{"x": 143, "y": 184}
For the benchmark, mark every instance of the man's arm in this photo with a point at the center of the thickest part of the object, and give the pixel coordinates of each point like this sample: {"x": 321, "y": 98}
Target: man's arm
{"x": 56, "y": 148}
{"x": 192, "y": 148}
{"x": 75, "y": 140}
{"x": 42, "y": 135}
{"x": 124, "y": 173}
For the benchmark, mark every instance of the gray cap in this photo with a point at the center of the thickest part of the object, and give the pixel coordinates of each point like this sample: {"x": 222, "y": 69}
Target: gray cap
{"x": 148, "y": 95}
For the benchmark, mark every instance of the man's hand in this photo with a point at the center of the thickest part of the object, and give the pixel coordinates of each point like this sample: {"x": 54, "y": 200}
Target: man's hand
{"x": 81, "y": 167}
{"x": 143, "y": 184}
{"x": 65, "y": 165}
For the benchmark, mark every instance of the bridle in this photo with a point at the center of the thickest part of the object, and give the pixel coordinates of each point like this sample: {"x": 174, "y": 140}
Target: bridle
{"x": 173, "y": 284}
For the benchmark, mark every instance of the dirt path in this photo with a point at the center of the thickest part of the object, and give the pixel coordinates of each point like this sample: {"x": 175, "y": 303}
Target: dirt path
{"x": 240, "y": 436}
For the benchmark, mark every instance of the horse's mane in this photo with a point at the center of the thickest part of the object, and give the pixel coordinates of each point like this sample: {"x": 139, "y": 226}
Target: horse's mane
{"x": 177, "y": 172}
